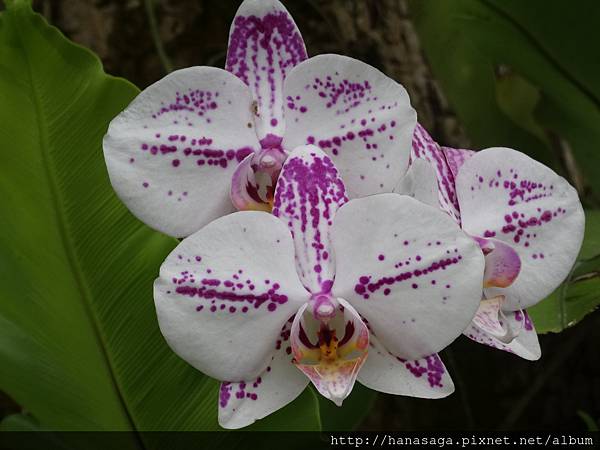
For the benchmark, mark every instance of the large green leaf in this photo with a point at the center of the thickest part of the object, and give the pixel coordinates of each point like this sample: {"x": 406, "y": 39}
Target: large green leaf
{"x": 580, "y": 293}
{"x": 79, "y": 343}
{"x": 549, "y": 47}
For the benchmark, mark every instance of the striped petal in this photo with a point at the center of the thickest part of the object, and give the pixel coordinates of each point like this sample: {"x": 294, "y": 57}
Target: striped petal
{"x": 309, "y": 192}
{"x": 264, "y": 45}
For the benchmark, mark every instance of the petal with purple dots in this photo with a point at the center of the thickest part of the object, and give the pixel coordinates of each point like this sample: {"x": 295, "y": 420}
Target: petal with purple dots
{"x": 385, "y": 372}
{"x": 264, "y": 45}
{"x": 309, "y": 192}
{"x": 409, "y": 270}
{"x": 425, "y": 148}
{"x": 506, "y": 195}
{"x": 225, "y": 292}
{"x": 361, "y": 118}
{"x": 242, "y": 403}
{"x": 172, "y": 152}
{"x": 524, "y": 343}
{"x": 456, "y": 157}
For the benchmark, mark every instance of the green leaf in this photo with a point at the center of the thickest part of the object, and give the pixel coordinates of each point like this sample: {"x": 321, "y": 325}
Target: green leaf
{"x": 79, "y": 342}
{"x": 19, "y": 422}
{"x": 580, "y": 293}
{"x": 474, "y": 45}
{"x": 590, "y": 423}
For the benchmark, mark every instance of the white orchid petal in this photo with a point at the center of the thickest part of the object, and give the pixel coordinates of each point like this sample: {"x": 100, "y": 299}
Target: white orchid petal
{"x": 361, "y": 118}
{"x": 425, "y": 148}
{"x": 506, "y": 195}
{"x": 420, "y": 182}
{"x": 242, "y": 403}
{"x": 264, "y": 45}
{"x": 309, "y": 192}
{"x": 385, "y": 372}
{"x": 172, "y": 152}
{"x": 225, "y": 292}
{"x": 409, "y": 270}
{"x": 525, "y": 342}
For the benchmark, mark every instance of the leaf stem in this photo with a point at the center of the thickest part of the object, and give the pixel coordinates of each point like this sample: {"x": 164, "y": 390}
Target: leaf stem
{"x": 160, "y": 49}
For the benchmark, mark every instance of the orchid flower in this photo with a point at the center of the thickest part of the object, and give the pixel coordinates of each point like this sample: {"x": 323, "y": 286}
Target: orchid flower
{"x": 527, "y": 220}
{"x": 204, "y": 141}
{"x": 324, "y": 290}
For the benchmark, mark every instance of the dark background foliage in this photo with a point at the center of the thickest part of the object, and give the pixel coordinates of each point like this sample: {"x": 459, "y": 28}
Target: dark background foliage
{"x": 495, "y": 390}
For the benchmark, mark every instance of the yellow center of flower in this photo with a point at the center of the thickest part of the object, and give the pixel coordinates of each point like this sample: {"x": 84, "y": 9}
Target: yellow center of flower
{"x": 328, "y": 344}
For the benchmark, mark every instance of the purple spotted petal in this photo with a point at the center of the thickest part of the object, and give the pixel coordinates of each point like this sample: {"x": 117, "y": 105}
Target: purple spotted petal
{"x": 506, "y": 195}
{"x": 309, "y": 192}
{"x": 225, "y": 292}
{"x": 525, "y": 342}
{"x": 242, "y": 403}
{"x": 361, "y": 118}
{"x": 456, "y": 157}
{"x": 409, "y": 270}
{"x": 425, "y": 148}
{"x": 385, "y": 372}
{"x": 330, "y": 355}
{"x": 264, "y": 45}
{"x": 502, "y": 263}
{"x": 172, "y": 152}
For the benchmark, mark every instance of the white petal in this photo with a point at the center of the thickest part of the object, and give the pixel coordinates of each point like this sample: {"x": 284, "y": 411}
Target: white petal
{"x": 309, "y": 192}
{"x": 242, "y": 403}
{"x": 264, "y": 45}
{"x": 420, "y": 183}
{"x": 409, "y": 270}
{"x": 525, "y": 343}
{"x": 172, "y": 152}
{"x": 425, "y": 148}
{"x": 509, "y": 196}
{"x": 423, "y": 378}
{"x": 225, "y": 292}
{"x": 361, "y": 118}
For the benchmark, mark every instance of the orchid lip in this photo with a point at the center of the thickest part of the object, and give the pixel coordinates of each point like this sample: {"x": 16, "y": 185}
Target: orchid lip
{"x": 491, "y": 319}
{"x": 330, "y": 345}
